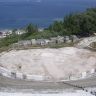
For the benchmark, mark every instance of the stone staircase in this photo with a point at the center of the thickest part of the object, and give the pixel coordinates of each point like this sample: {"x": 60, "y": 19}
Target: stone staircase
{"x": 92, "y": 91}
{"x": 86, "y": 42}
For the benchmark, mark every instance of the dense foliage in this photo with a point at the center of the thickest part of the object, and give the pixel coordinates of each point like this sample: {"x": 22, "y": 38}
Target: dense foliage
{"x": 8, "y": 40}
{"x": 31, "y": 29}
{"x": 82, "y": 24}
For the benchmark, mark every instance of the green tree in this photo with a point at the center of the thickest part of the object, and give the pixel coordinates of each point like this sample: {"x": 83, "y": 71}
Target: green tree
{"x": 31, "y": 29}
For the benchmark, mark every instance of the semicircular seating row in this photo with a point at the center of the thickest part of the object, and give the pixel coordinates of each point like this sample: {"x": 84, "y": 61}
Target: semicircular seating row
{"x": 16, "y": 75}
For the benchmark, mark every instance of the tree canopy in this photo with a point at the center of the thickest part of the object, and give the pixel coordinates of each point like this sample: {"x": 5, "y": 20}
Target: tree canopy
{"x": 83, "y": 24}
{"x": 31, "y": 29}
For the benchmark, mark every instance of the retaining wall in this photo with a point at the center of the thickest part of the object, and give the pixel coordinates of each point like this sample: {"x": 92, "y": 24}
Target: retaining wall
{"x": 17, "y": 75}
{"x": 44, "y": 42}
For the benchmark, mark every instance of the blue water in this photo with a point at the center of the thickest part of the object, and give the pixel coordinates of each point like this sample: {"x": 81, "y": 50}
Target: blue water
{"x": 19, "y": 14}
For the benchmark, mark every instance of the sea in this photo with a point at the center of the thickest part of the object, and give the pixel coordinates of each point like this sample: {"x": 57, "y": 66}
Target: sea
{"x": 18, "y": 14}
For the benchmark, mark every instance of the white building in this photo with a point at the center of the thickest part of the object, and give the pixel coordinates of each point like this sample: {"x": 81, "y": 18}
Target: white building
{"x": 40, "y": 29}
{"x": 20, "y": 32}
{"x": 4, "y": 33}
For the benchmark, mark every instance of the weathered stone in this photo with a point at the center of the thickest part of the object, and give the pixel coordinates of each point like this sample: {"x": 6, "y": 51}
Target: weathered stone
{"x": 5, "y": 72}
{"x": 24, "y": 76}
{"x": 93, "y": 71}
{"x": 35, "y": 77}
{"x": 67, "y": 39}
{"x": 86, "y": 42}
{"x": 60, "y": 39}
{"x": 19, "y": 75}
{"x": 33, "y": 41}
{"x": 47, "y": 41}
{"x": 40, "y": 42}
{"x": 84, "y": 74}
{"x": 53, "y": 40}
{"x": 13, "y": 75}
{"x": 25, "y": 43}
{"x": 74, "y": 38}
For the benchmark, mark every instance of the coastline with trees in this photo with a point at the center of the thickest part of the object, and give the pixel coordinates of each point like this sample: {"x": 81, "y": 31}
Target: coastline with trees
{"x": 79, "y": 24}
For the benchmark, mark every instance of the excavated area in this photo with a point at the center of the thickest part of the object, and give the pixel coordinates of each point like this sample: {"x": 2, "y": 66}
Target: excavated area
{"x": 56, "y": 63}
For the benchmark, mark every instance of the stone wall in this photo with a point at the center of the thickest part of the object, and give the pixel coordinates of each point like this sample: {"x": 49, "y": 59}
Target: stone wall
{"x": 85, "y": 42}
{"x": 17, "y": 75}
{"x": 44, "y": 42}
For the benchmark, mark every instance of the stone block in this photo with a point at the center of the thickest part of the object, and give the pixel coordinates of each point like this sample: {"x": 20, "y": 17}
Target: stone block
{"x": 84, "y": 74}
{"x": 19, "y": 75}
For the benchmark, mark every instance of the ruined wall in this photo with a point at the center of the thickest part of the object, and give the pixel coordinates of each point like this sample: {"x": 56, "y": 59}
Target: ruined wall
{"x": 16, "y": 75}
{"x": 44, "y": 42}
